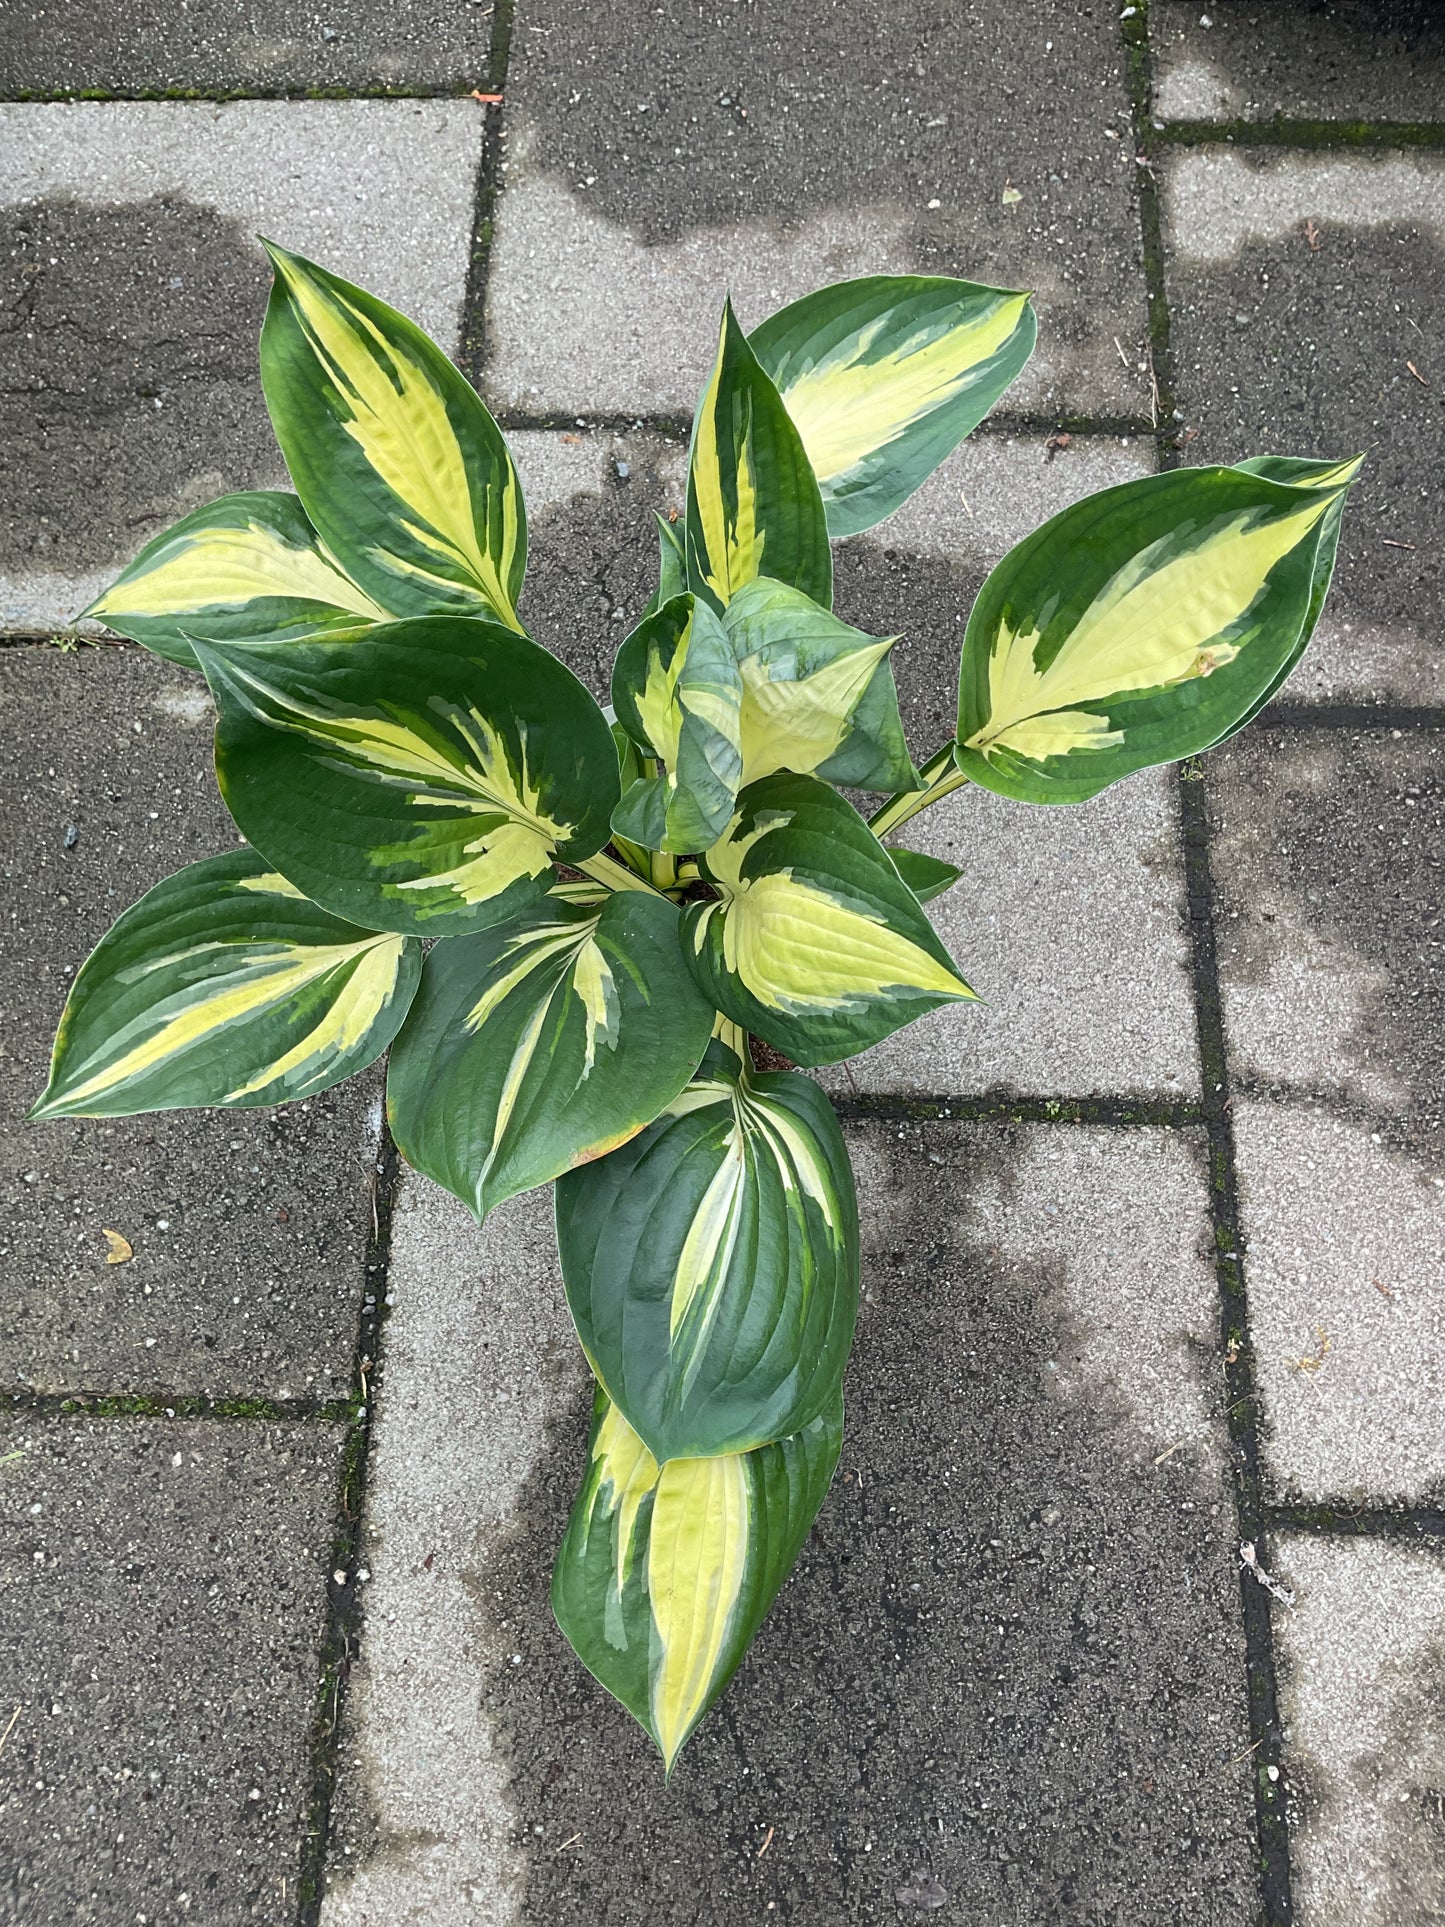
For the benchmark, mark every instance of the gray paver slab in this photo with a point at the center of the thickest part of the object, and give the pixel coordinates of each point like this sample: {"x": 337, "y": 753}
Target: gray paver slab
{"x": 1362, "y": 1665}
{"x": 1345, "y": 1243}
{"x": 161, "y": 1612}
{"x": 1347, "y": 60}
{"x": 1284, "y": 348}
{"x": 209, "y": 46}
{"x": 1009, "y": 1660}
{"x": 133, "y": 291}
{"x": 1327, "y": 859}
{"x": 249, "y": 1227}
{"x": 654, "y": 161}
{"x": 1327, "y": 864}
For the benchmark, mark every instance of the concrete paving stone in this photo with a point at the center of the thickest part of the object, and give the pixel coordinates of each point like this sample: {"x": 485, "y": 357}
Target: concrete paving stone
{"x": 1327, "y": 860}
{"x": 1345, "y": 1246}
{"x": 1009, "y": 1661}
{"x": 1341, "y": 61}
{"x": 133, "y": 291}
{"x": 1362, "y": 1687}
{"x": 162, "y": 1594}
{"x": 249, "y": 1227}
{"x": 1036, "y": 923}
{"x": 655, "y": 161}
{"x": 209, "y": 47}
{"x": 1286, "y": 348}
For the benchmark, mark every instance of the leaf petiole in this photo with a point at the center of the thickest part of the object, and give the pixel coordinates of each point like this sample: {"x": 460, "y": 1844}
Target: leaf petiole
{"x": 941, "y": 777}
{"x": 606, "y": 869}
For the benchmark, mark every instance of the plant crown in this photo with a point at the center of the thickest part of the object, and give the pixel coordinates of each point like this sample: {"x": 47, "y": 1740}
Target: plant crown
{"x": 620, "y": 900}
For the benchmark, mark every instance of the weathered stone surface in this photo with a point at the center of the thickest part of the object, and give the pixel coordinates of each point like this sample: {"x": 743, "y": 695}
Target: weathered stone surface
{"x": 249, "y": 1227}
{"x": 1345, "y": 1241}
{"x": 133, "y": 290}
{"x": 1018, "y": 1675}
{"x": 1349, "y": 60}
{"x": 1362, "y": 1660}
{"x": 656, "y": 161}
{"x": 208, "y": 47}
{"x": 1327, "y": 863}
{"x": 1285, "y": 347}
{"x": 162, "y": 1592}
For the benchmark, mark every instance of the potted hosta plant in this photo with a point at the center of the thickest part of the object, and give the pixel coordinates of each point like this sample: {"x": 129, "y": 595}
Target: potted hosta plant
{"x": 620, "y": 902}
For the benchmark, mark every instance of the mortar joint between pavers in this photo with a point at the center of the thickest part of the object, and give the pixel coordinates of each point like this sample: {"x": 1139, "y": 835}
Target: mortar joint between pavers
{"x": 343, "y": 1590}
{"x": 1280, "y": 131}
{"x": 472, "y": 348}
{"x": 80, "y": 1403}
{"x": 1419, "y": 1524}
{"x": 223, "y": 96}
{"x": 1241, "y": 1391}
{"x": 1125, "y": 1111}
{"x": 1139, "y": 78}
{"x": 1421, "y": 718}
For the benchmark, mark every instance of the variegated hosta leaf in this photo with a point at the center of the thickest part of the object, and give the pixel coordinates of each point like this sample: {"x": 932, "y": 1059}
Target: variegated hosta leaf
{"x": 396, "y": 461}
{"x": 248, "y": 568}
{"x": 926, "y": 876}
{"x": 678, "y": 693}
{"x": 712, "y": 1263}
{"x": 753, "y": 506}
{"x": 817, "y": 944}
{"x": 665, "y": 1575}
{"x": 544, "y": 1041}
{"x": 777, "y": 683}
{"x": 818, "y": 696}
{"x": 885, "y": 376}
{"x": 1139, "y": 626}
{"x": 1292, "y": 470}
{"x": 419, "y": 779}
{"x": 224, "y": 986}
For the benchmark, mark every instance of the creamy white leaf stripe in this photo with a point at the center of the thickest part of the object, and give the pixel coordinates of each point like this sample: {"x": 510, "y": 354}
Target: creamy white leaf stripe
{"x": 798, "y": 722}
{"x": 697, "y": 1553}
{"x": 517, "y": 843}
{"x": 852, "y": 402}
{"x": 398, "y": 419}
{"x": 228, "y": 566}
{"x": 264, "y": 975}
{"x": 1161, "y": 619}
{"x": 796, "y": 948}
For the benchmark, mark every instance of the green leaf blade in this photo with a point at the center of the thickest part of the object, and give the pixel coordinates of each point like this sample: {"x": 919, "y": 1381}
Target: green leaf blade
{"x": 711, "y": 1264}
{"x": 753, "y": 504}
{"x": 396, "y": 460}
{"x": 544, "y": 1042}
{"x": 1138, "y": 627}
{"x": 926, "y": 876}
{"x": 886, "y": 375}
{"x": 816, "y": 945}
{"x": 224, "y": 987}
{"x": 666, "y": 1573}
{"x": 818, "y": 696}
{"x": 678, "y": 694}
{"x": 421, "y": 779}
{"x": 247, "y": 568}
